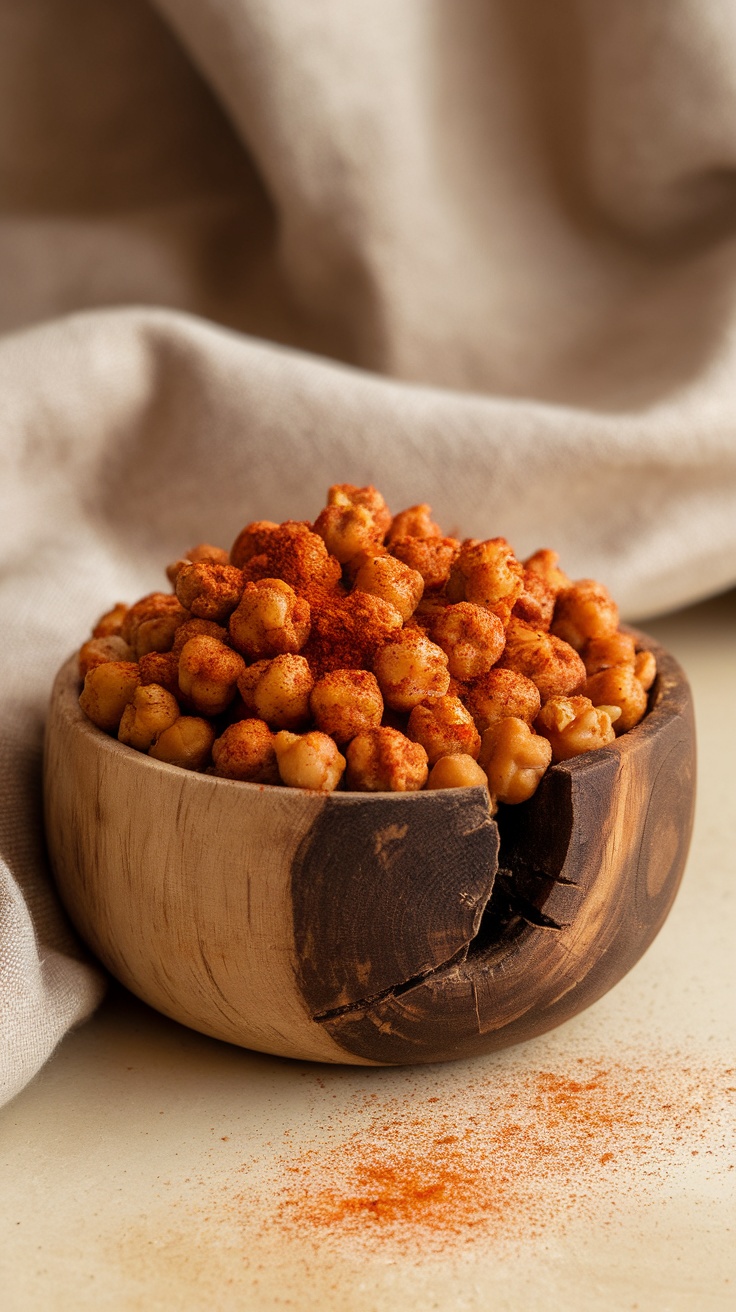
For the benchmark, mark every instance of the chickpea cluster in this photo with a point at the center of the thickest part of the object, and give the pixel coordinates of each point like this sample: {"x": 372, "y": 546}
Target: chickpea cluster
{"x": 369, "y": 652}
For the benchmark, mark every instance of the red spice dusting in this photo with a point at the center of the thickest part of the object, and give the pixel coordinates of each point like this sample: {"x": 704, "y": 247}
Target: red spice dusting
{"x": 499, "y": 1159}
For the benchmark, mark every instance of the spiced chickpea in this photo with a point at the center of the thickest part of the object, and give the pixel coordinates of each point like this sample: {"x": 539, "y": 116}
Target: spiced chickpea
{"x": 197, "y": 629}
{"x": 111, "y": 622}
{"x": 280, "y": 694}
{"x": 431, "y": 557}
{"x": 246, "y": 751}
{"x": 347, "y": 530}
{"x": 583, "y": 611}
{"x": 385, "y": 761}
{"x": 204, "y": 551}
{"x": 209, "y": 591}
{"x": 96, "y": 651}
{"x": 187, "y": 743}
{"x": 151, "y": 711}
{"x": 296, "y": 554}
{"x": 208, "y": 674}
{"x": 347, "y": 494}
{"x": 345, "y": 702}
{"x": 514, "y": 759}
{"x": 487, "y": 574}
{"x": 384, "y": 576}
{"x": 107, "y": 690}
{"x": 545, "y": 564}
{"x": 347, "y": 631}
{"x": 309, "y": 760}
{"x": 443, "y": 727}
{"x": 573, "y": 725}
{"x": 499, "y": 694}
{"x": 248, "y": 682}
{"x": 416, "y": 522}
{"x": 270, "y": 620}
{"x": 536, "y": 602}
{"x": 150, "y": 624}
{"x": 251, "y": 541}
{"x": 645, "y": 668}
{"x": 411, "y": 669}
{"x": 161, "y": 667}
{"x": 457, "y": 770}
{"x": 618, "y": 686}
{"x": 615, "y": 649}
{"x": 552, "y": 664}
{"x": 472, "y": 638}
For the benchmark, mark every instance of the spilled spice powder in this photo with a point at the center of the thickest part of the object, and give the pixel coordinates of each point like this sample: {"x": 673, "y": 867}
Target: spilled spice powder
{"x": 500, "y": 1158}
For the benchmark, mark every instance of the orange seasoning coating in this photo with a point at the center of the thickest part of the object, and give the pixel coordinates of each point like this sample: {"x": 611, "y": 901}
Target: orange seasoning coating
{"x": 377, "y": 633}
{"x": 497, "y": 1160}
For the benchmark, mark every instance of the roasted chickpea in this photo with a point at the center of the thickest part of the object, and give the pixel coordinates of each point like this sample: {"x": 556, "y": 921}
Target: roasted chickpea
{"x": 385, "y": 761}
{"x": 583, "y": 611}
{"x": 187, "y": 743}
{"x": 294, "y": 553}
{"x": 251, "y": 541}
{"x": 151, "y": 710}
{"x": 347, "y": 494}
{"x": 536, "y": 603}
{"x": 204, "y": 551}
{"x": 347, "y": 530}
{"x": 111, "y": 623}
{"x": 345, "y": 702}
{"x": 544, "y": 563}
{"x": 209, "y": 591}
{"x": 347, "y": 631}
{"x": 456, "y": 770}
{"x": 161, "y": 667}
{"x": 411, "y": 669}
{"x": 514, "y": 759}
{"x": 443, "y": 727}
{"x": 197, "y": 629}
{"x": 573, "y": 725}
{"x": 499, "y": 694}
{"x": 107, "y": 690}
{"x": 384, "y": 576}
{"x": 645, "y": 668}
{"x": 615, "y": 649}
{"x": 248, "y": 682}
{"x": 151, "y": 623}
{"x": 246, "y": 751}
{"x": 96, "y": 651}
{"x": 487, "y": 574}
{"x": 619, "y": 686}
{"x": 472, "y": 638}
{"x": 280, "y": 694}
{"x": 431, "y": 557}
{"x": 208, "y": 674}
{"x": 416, "y": 522}
{"x": 270, "y": 620}
{"x": 309, "y": 760}
{"x": 552, "y": 664}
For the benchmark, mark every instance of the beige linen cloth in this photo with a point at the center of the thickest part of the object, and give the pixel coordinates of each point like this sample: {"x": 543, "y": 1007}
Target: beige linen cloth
{"x": 479, "y": 253}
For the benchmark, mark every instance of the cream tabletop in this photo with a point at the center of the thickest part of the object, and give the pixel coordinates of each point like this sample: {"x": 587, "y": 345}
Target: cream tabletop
{"x": 149, "y": 1167}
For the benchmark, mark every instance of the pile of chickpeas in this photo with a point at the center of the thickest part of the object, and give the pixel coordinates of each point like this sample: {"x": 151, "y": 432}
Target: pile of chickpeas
{"x": 369, "y": 652}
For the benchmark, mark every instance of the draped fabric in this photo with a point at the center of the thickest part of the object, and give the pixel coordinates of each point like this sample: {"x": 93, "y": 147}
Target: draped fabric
{"x": 477, "y": 252}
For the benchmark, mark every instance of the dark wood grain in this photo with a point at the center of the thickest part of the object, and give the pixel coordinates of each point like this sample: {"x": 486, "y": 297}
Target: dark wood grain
{"x": 388, "y": 888}
{"x": 589, "y": 869}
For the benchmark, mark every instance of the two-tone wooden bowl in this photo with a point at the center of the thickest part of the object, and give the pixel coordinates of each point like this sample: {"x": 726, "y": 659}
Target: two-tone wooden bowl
{"x": 370, "y": 928}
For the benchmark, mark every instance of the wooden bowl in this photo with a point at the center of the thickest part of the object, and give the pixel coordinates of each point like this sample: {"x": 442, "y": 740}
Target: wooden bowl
{"x": 370, "y": 928}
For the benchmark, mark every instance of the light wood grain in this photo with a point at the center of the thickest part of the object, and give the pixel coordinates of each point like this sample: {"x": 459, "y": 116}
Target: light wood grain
{"x": 369, "y": 929}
